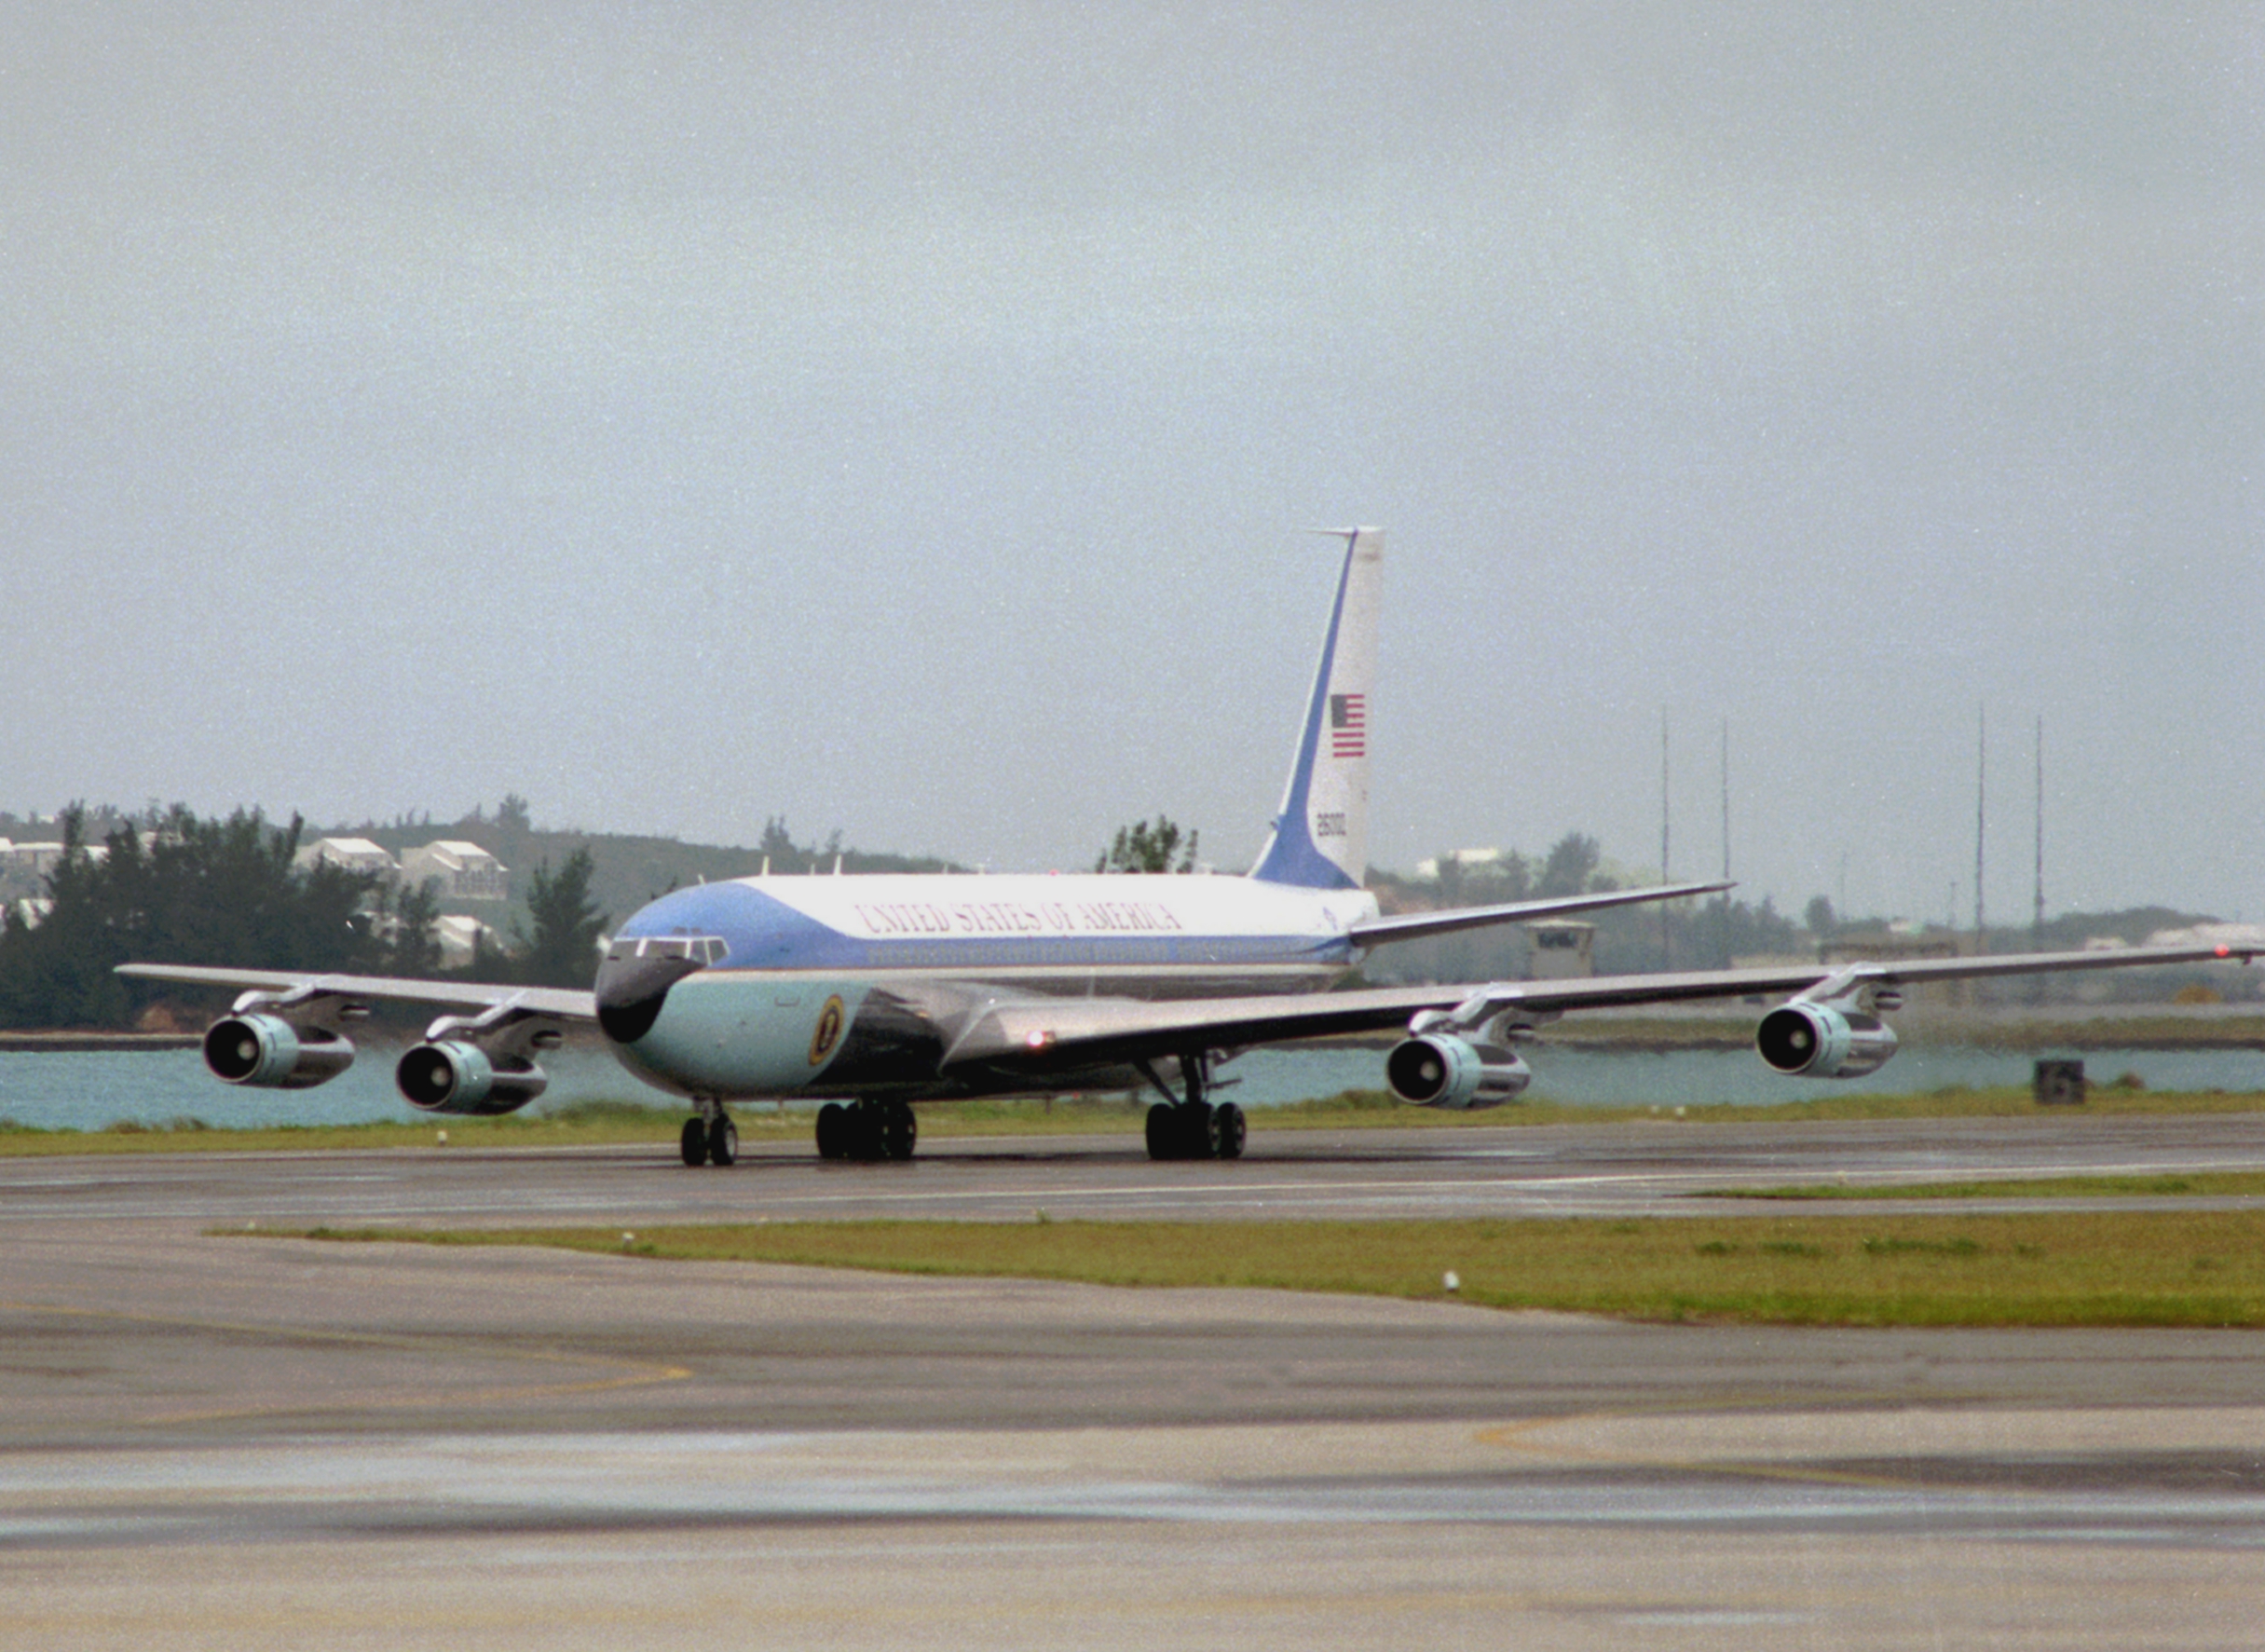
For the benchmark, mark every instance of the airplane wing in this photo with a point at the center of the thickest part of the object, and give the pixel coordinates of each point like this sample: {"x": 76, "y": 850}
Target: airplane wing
{"x": 1036, "y": 1034}
{"x": 1409, "y": 926}
{"x": 569, "y": 1003}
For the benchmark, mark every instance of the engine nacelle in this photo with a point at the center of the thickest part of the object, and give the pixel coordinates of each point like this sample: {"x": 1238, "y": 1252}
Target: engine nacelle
{"x": 268, "y": 1053}
{"x": 1438, "y": 1070}
{"x": 1817, "y": 1041}
{"x": 454, "y": 1076}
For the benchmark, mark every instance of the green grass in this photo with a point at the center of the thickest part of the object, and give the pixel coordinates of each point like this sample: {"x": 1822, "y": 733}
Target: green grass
{"x": 598, "y": 1123}
{"x": 2048, "y": 1269}
{"x": 2196, "y": 1183}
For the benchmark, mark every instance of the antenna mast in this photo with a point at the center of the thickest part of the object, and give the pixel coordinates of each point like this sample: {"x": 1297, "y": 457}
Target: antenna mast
{"x": 2037, "y": 921}
{"x": 1667, "y": 958}
{"x": 1982, "y": 774}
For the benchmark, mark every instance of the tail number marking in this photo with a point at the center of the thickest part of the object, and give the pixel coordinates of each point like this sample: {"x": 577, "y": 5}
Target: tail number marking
{"x": 1329, "y": 825}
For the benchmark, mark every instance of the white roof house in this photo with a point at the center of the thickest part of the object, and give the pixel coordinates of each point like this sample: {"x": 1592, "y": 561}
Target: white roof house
{"x": 461, "y": 938}
{"x": 355, "y": 854}
{"x": 466, "y": 871}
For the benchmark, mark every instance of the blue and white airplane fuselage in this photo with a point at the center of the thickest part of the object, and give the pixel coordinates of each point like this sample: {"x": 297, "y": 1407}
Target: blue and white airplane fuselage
{"x": 773, "y": 953}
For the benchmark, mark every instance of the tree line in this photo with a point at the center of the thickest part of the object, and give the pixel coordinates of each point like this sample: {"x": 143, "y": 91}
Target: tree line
{"x": 172, "y": 888}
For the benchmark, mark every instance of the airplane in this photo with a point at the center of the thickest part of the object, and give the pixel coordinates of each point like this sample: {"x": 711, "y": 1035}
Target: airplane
{"x": 870, "y": 993}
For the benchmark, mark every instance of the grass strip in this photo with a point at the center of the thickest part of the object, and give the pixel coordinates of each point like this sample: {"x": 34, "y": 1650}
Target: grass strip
{"x": 2198, "y": 1183}
{"x": 598, "y": 1123}
{"x": 2148, "y": 1268}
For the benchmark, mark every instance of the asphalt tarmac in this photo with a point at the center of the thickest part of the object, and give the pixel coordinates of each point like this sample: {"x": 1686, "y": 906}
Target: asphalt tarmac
{"x": 226, "y": 1439}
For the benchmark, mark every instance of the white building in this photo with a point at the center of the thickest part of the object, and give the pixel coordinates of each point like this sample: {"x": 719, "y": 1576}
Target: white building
{"x": 461, "y": 939}
{"x": 466, "y": 871}
{"x": 354, "y": 855}
{"x": 1563, "y": 949}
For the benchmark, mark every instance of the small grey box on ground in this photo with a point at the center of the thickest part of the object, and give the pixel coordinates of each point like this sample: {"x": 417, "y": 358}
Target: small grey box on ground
{"x": 2059, "y": 1084}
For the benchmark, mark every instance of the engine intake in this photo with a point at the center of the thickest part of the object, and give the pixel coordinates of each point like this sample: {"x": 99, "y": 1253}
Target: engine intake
{"x": 1438, "y": 1070}
{"x": 455, "y": 1077}
{"x": 270, "y": 1053}
{"x": 1816, "y": 1040}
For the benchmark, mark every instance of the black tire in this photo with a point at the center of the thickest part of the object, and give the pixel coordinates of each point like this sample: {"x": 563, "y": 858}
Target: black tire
{"x": 1199, "y": 1121}
{"x": 1228, "y": 1128}
{"x": 693, "y": 1143}
{"x": 723, "y": 1139}
{"x": 899, "y": 1130}
{"x": 869, "y": 1142}
{"x": 1163, "y": 1132}
{"x": 833, "y": 1131}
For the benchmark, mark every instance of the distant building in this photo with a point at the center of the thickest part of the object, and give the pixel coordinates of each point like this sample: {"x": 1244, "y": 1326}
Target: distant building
{"x": 462, "y": 939}
{"x": 1563, "y": 951}
{"x": 354, "y": 855}
{"x": 1469, "y": 860}
{"x": 466, "y": 871}
{"x": 28, "y": 860}
{"x": 24, "y": 866}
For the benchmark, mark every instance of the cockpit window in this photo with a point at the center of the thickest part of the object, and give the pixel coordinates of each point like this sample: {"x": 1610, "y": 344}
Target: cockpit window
{"x": 702, "y": 949}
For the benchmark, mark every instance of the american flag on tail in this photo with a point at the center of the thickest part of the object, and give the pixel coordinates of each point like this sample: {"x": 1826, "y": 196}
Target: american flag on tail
{"x": 1348, "y": 724}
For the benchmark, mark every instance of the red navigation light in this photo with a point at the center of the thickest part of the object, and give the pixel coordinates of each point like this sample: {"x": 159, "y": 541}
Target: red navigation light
{"x": 2224, "y": 950}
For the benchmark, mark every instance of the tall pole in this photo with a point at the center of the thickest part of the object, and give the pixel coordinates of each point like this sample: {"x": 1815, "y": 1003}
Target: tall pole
{"x": 1667, "y": 960}
{"x": 1981, "y": 776}
{"x": 2036, "y": 920}
{"x": 1723, "y": 900}
{"x": 2037, "y": 913}
{"x": 1725, "y": 802}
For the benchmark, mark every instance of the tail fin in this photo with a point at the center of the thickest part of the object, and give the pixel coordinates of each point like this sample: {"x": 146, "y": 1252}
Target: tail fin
{"x": 1321, "y": 837}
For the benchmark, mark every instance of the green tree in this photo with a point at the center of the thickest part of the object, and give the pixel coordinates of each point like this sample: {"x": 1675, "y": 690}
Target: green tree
{"x": 1572, "y": 861}
{"x": 190, "y": 890}
{"x": 1820, "y": 917}
{"x": 1144, "y": 848}
{"x": 412, "y": 947}
{"x": 562, "y": 951}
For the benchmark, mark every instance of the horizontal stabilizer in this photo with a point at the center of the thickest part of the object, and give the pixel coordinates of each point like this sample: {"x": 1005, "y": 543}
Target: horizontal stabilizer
{"x": 1410, "y": 926}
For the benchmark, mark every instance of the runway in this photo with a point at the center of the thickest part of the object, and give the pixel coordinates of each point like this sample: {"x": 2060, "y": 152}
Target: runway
{"x": 1600, "y": 1171}
{"x": 247, "y": 1442}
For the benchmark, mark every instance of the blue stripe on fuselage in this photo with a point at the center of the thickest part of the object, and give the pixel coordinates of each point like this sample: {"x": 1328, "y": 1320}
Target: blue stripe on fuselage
{"x": 764, "y": 933}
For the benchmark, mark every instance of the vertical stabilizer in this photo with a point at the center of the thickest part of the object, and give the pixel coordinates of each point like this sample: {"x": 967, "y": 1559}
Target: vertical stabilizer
{"x": 1321, "y": 837}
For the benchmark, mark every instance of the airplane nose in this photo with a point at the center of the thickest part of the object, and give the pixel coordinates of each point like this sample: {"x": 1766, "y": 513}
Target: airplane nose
{"x": 632, "y": 989}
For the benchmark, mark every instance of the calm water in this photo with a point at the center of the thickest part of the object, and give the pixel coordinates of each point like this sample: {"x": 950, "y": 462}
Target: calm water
{"x": 89, "y": 1090}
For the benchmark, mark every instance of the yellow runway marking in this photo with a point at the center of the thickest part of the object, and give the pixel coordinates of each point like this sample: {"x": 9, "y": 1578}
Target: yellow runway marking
{"x": 633, "y": 1373}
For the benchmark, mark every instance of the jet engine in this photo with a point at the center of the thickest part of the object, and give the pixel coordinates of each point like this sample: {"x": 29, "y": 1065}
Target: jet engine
{"x": 450, "y": 1075}
{"x": 271, "y": 1053}
{"x": 1819, "y": 1041}
{"x": 1439, "y": 1070}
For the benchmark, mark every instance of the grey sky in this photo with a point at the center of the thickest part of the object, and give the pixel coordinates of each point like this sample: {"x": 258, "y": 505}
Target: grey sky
{"x": 903, "y": 418}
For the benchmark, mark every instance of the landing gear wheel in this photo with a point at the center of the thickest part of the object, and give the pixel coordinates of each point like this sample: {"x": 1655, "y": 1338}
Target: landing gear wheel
{"x": 867, "y": 1138}
{"x": 1199, "y": 1125}
{"x": 833, "y": 1131}
{"x": 899, "y": 1130}
{"x": 1228, "y": 1128}
{"x": 693, "y": 1143}
{"x": 1163, "y": 1132}
{"x": 723, "y": 1139}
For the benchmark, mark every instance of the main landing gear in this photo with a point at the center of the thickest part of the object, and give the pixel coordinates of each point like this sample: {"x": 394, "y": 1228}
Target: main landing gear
{"x": 867, "y": 1130}
{"x": 1188, "y": 1126}
{"x": 710, "y": 1137}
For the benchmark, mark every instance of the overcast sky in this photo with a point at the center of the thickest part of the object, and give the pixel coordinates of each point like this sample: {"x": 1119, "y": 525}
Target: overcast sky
{"x": 904, "y": 418}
